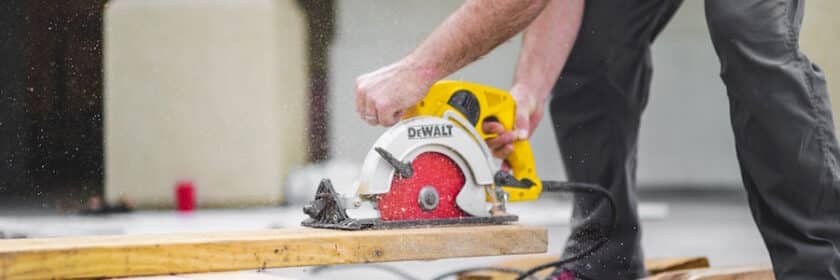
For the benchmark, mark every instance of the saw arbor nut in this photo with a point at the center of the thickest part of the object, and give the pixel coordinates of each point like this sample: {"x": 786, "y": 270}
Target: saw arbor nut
{"x": 428, "y": 198}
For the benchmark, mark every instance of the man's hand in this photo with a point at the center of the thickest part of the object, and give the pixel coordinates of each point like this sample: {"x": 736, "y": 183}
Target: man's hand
{"x": 545, "y": 48}
{"x": 473, "y": 30}
{"x": 383, "y": 95}
{"x": 529, "y": 113}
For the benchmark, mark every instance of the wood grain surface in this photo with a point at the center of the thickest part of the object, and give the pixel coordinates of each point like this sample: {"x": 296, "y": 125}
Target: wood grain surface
{"x": 654, "y": 266}
{"x": 731, "y": 273}
{"x": 138, "y": 255}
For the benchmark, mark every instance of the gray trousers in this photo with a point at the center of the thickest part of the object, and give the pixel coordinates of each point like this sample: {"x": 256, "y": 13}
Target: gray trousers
{"x": 780, "y": 115}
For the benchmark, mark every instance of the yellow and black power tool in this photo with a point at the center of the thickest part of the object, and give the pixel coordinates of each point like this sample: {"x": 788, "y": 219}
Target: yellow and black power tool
{"x": 478, "y": 104}
{"x": 434, "y": 167}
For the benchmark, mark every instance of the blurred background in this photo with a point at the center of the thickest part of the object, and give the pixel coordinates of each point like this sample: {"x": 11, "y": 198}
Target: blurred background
{"x": 249, "y": 103}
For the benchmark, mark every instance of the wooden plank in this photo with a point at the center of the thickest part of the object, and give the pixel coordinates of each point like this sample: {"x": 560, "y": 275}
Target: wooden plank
{"x": 162, "y": 277}
{"x": 660, "y": 265}
{"x": 653, "y": 266}
{"x": 117, "y": 256}
{"x": 733, "y": 273}
{"x": 239, "y": 275}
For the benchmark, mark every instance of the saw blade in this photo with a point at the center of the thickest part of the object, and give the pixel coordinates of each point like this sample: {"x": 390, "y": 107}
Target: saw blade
{"x": 430, "y": 193}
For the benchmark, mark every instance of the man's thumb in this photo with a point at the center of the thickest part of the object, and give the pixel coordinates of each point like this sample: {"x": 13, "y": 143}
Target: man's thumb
{"x": 521, "y": 126}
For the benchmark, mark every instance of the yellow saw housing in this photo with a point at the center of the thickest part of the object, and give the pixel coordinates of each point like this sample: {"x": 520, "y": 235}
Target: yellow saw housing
{"x": 479, "y": 103}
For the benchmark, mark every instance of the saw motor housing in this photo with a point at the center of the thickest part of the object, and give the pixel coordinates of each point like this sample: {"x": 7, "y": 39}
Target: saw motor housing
{"x": 478, "y": 104}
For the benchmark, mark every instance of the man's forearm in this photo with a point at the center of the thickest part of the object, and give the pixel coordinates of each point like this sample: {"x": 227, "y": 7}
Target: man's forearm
{"x": 546, "y": 46}
{"x": 471, "y": 32}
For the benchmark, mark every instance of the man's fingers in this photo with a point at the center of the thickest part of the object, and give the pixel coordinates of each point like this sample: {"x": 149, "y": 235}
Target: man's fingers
{"x": 395, "y": 117}
{"x": 369, "y": 114}
{"x": 492, "y": 127}
{"x": 503, "y": 152}
{"x": 500, "y": 141}
{"x": 386, "y": 115}
{"x": 360, "y": 97}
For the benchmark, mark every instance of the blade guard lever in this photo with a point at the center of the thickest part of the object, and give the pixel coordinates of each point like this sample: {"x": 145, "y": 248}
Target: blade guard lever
{"x": 402, "y": 168}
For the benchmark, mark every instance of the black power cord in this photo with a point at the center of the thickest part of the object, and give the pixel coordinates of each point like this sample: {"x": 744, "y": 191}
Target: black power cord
{"x": 577, "y": 187}
{"x": 557, "y": 186}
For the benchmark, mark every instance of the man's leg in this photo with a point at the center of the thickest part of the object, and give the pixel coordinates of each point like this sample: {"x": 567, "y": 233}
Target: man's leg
{"x": 596, "y": 108}
{"x": 784, "y": 134}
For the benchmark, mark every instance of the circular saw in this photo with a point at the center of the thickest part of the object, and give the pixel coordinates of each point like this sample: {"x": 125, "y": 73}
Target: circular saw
{"x": 434, "y": 168}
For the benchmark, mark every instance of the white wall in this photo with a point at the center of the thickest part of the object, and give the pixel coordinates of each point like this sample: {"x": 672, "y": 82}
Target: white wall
{"x": 685, "y": 136}
{"x": 211, "y": 91}
{"x": 820, "y": 39}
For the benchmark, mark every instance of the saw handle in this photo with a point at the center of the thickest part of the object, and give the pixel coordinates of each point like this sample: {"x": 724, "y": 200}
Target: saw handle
{"x": 479, "y": 103}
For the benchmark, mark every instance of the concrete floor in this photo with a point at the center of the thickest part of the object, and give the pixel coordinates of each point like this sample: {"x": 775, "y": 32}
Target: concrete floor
{"x": 716, "y": 224}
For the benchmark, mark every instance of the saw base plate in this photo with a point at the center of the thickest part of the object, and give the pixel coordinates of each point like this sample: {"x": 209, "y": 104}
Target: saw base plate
{"x": 327, "y": 211}
{"x": 366, "y": 224}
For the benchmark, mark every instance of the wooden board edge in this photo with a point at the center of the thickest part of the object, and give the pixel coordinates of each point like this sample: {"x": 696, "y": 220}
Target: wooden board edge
{"x": 656, "y": 265}
{"x": 232, "y": 254}
{"x": 726, "y": 273}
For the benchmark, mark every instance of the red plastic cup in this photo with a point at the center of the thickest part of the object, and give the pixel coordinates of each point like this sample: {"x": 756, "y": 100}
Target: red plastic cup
{"x": 185, "y": 196}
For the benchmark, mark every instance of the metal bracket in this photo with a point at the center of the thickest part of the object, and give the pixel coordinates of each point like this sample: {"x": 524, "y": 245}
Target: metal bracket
{"x": 326, "y": 211}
